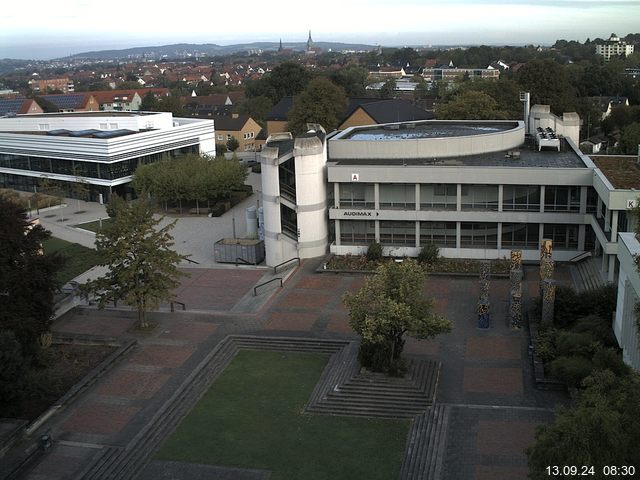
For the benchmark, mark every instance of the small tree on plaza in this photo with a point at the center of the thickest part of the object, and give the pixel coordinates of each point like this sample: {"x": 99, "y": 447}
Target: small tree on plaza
{"x": 142, "y": 266}
{"x": 389, "y": 305}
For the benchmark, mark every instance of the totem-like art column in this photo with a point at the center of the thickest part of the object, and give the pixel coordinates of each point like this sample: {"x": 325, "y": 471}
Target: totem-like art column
{"x": 483, "y": 306}
{"x": 515, "y": 301}
{"x": 547, "y": 284}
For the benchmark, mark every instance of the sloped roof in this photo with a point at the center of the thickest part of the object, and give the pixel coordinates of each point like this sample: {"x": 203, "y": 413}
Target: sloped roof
{"x": 395, "y": 110}
{"x": 69, "y": 100}
{"x": 14, "y": 105}
{"x": 229, "y": 122}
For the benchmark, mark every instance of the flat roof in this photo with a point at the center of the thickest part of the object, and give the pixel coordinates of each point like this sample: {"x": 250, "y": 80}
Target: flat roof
{"x": 431, "y": 129}
{"x": 622, "y": 171}
{"x": 529, "y": 157}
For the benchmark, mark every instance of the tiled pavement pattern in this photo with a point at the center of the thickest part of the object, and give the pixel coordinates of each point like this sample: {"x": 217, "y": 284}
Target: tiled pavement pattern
{"x": 485, "y": 381}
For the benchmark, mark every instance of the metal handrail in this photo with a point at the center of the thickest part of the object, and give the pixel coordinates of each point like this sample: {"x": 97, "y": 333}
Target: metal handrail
{"x": 192, "y": 261}
{"x": 243, "y": 261}
{"x": 275, "y": 269}
{"x": 255, "y": 289}
{"x": 184, "y": 307}
{"x": 580, "y": 257}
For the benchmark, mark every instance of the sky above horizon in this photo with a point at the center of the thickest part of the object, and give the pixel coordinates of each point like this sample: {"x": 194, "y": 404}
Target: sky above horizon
{"x": 38, "y": 30}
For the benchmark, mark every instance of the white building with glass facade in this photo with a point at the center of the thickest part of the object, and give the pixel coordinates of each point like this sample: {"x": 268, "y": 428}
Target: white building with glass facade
{"x": 476, "y": 189}
{"x": 101, "y": 148}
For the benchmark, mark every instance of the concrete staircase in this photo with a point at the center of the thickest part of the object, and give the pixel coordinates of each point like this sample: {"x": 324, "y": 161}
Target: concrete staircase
{"x": 117, "y": 463}
{"x": 586, "y": 274}
{"x": 424, "y": 454}
{"x": 348, "y": 391}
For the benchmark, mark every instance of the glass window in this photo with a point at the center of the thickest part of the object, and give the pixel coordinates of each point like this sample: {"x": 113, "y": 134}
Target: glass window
{"x": 442, "y": 234}
{"x": 64, "y": 167}
{"x": 438, "y": 196}
{"x": 479, "y": 197}
{"x": 521, "y": 197}
{"x": 520, "y": 235}
{"x": 357, "y": 232}
{"x": 592, "y": 200}
{"x": 395, "y": 233}
{"x": 565, "y": 237}
{"x": 479, "y": 235}
{"x": 357, "y": 195}
{"x": 398, "y": 196}
{"x": 562, "y": 199}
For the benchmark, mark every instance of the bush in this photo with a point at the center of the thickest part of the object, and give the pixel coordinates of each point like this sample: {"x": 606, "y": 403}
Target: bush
{"x": 570, "y": 306}
{"x": 571, "y": 343}
{"x": 429, "y": 254}
{"x": 545, "y": 344}
{"x": 374, "y": 252}
{"x": 571, "y": 370}
{"x": 597, "y": 326}
{"x": 610, "y": 359}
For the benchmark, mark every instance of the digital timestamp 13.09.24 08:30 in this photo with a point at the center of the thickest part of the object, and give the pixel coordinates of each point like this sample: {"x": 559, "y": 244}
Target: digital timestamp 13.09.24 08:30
{"x": 568, "y": 471}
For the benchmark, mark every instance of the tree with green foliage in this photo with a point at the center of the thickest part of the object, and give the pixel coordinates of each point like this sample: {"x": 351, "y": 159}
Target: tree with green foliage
{"x": 232, "y": 144}
{"x": 171, "y": 104}
{"x": 601, "y": 430}
{"x": 149, "y": 103}
{"x": 388, "y": 89}
{"x": 389, "y": 305}
{"x": 191, "y": 178}
{"x": 321, "y": 102}
{"x": 630, "y": 139}
{"x": 353, "y": 79}
{"x": 470, "y": 105}
{"x": 257, "y": 108}
{"x": 27, "y": 278}
{"x": 142, "y": 265}
{"x": 287, "y": 79}
{"x": 548, "y": 83}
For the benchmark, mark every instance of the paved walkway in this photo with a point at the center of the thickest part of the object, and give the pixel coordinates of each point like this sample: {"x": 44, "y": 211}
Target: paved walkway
{"x": 485, "y": 378}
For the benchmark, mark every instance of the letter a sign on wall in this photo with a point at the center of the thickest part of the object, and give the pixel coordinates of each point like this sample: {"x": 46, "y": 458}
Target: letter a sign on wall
{"x": 355, "y": 177}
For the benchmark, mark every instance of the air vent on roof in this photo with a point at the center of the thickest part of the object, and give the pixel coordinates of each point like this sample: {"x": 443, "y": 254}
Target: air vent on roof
{"x": 395, "y": 126}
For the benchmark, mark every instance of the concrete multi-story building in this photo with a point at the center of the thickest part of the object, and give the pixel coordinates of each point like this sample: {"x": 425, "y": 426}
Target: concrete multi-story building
{"x": 102, "y": 149}
{"x": 613, "y": 47}
{"x": 451, "y": 74}
{"x": 64, "y": 84}
{"x": 625, "y": 325}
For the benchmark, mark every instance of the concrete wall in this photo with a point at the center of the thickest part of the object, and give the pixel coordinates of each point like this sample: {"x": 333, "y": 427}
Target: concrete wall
{"x": 54, "y": 121}
{"x": 435, "y": 147}
{"x": 624, "y": 325}
{"x": 568, "y": 125}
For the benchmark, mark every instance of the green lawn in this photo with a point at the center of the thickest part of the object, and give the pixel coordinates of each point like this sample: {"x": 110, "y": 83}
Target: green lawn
{"x": 95, "y": 225}
{"x": 252, "y": 418}
{"x": 78, "y": 259}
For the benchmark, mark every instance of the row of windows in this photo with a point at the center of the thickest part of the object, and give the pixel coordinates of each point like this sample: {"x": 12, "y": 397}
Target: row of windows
{"x": 443, "y": 234}
{"x": 473, "y": 197}
{"x": 78, "y": 168}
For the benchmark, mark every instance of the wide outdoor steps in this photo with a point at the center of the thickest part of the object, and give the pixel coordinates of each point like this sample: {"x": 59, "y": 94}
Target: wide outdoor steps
{"x": 377, "y": 395}
{"x": 424, "y": 454}
{"x": 115, "y": 463}
{"x": 587, "y": 275}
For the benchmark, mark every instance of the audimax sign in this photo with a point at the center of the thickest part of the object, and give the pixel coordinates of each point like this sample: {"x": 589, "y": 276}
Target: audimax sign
{"x": 360, "y": 213}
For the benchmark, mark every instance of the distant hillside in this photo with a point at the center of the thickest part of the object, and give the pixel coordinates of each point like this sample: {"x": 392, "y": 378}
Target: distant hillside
{"x": 193, "y": 49}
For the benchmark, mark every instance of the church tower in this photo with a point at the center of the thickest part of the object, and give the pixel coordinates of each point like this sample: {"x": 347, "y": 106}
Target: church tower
{"x": 309, "y": 42}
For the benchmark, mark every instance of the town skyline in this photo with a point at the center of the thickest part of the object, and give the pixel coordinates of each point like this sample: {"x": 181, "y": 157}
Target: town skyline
{"x": 42, "y": 33}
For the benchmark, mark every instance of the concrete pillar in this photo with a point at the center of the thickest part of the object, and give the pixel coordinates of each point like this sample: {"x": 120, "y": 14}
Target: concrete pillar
{"x": 271, "y": 205}
{"x": 377, "y": 230}
{"x": 612, "y": 269}
{"x": 417, "y": 234}
{"x": 542, "y": 193}
{"x": 614, "y": 225}
{"x": 336, "y": 195}
{"x": 500, "y": 200}
{"x": 607, "y": 220}
{"x": 417, "y": 195}
{"x": 337, "y": 231}
{"x": 599, "y": 208}
{"x": 583, "y": 200}
{"x": 499, "y": 236}
{"x": 459, "y": 200}
{"x": 458, "y": 232}
{"x": 376, "y": 198}
{"x": 582, "y": 233}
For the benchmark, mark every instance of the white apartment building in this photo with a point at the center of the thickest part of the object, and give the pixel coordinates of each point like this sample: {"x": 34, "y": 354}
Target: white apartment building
{"x": 613, "y": 48}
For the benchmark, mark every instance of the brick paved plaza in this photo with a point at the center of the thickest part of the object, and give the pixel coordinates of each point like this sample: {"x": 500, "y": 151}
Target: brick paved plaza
{"x": 485, "y": 376}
